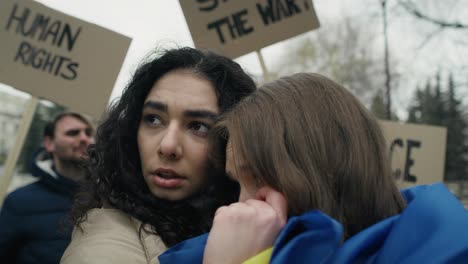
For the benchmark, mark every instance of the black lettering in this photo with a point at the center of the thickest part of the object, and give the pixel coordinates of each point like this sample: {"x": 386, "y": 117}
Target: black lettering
{"x": 20, "y": 19}
{"x": 276, "y": 10}
{"x": 237, "y": 26}
{"x": 53, "y": 31}
{"x": 45, "y": 61}
{"x": 266, "y": 12}
{"x": 280, "y": 10}
{"x": 217, "y": 24}
{"x": 231, "y": 29}
{"x": 59, "y": 65}
{"x": 409, "y": 161}
{"x": 306, "y": 4}
{"x": 37, "y": 58}
{"x": 72, "y": 68}
{"x": 292, "y": 7}
{"x": 49, "y": 63}
{"x": 71, "y": 38}
{"x": 397, "y": 142}
{"x": 23, "y": 50}
{"x": 240, "y": 23}
{"x": 40, "y": 24}
{"x": 214, "y": 5}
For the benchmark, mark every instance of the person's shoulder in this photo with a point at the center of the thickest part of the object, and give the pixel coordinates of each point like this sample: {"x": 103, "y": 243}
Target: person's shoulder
{"x": 106, "y": 236}
{"x": 34, "y": 198}
{"x": 27, "y": 190}
{"x": 106, "y": 224}
{"x": 106, "y": 218}
{"x": 21, "y": 198}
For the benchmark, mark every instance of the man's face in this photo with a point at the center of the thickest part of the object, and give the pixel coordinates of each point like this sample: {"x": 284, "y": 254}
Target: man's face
{"x": 71, "y": 140}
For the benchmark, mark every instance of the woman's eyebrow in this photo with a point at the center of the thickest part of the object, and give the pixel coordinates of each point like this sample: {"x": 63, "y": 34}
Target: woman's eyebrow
{"x": 156, "y": 105}
{"x": 201, "y": 113}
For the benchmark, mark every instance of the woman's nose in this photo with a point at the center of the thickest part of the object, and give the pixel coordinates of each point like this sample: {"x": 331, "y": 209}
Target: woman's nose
{"x": 170, "y": 145}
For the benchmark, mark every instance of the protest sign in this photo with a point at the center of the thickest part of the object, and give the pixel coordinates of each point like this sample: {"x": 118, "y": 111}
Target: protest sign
{"x": 58, "y": 57}
{"x": 417, "y": 152}
{"x": 237, "y": 27}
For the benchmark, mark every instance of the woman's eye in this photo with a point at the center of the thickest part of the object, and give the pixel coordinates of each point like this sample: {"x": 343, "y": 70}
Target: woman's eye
{"x": 199, "y": 128}
{"x": 152, "y": 120}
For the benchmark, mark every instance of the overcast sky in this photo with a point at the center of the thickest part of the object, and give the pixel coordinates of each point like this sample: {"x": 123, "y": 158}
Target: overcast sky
{"x": 152, "y": 23}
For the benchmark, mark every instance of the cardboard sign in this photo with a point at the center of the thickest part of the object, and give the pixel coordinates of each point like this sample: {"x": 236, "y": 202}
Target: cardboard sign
{"x": 58, "y": 57}
{"x": 417, "y": 152}
{"x": 237, "y": 27}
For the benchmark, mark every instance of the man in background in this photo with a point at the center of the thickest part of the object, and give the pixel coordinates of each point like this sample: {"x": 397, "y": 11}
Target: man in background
{"x": 33, "y": 227}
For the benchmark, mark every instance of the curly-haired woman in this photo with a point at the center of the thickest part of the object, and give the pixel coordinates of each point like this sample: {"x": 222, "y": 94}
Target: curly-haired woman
{"x": 151, "y": 184}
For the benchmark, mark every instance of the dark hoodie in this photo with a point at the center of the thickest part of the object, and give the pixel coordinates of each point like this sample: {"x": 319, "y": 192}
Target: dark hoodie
{"x": 33, "y": 226}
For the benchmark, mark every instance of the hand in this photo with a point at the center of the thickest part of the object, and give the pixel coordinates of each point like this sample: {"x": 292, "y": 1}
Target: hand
{"x": 242, "y": 230}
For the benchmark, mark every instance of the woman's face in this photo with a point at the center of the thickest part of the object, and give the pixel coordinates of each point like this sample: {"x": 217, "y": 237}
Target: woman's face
{"x": 240, "y": 171}
{"x": 177, "y": 114}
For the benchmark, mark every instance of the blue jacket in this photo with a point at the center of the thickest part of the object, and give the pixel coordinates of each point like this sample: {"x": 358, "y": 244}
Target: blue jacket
{"x": 33, "y": 228}
{"x": 433, "y": 228}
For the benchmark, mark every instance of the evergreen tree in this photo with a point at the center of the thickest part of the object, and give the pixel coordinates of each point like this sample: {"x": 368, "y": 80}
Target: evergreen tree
{"x": 428, "y": 106}
{"x": 438, "y": 104}
{"x": 414, "y": 112}
{"x": 457, "y": 151}
{"x": 432, "y": 106}
{"x": 378, "y": 107}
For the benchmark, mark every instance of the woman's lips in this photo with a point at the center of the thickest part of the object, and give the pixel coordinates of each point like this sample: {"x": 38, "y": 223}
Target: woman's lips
{"x": 166, "y": 178}
{"x": 167, "y": 182}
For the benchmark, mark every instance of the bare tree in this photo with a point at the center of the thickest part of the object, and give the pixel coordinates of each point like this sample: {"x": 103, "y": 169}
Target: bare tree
{"x": 342, "y": 51}
{"x": 413, "y": 9}
{"x": 388, "y": 77}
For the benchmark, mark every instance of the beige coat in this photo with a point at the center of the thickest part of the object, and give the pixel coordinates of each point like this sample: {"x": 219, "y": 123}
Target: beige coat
{"x": 110, "y": 236}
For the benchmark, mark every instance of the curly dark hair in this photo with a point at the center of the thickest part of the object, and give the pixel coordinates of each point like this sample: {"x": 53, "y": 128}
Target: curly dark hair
{"x": 114, "y": 177}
